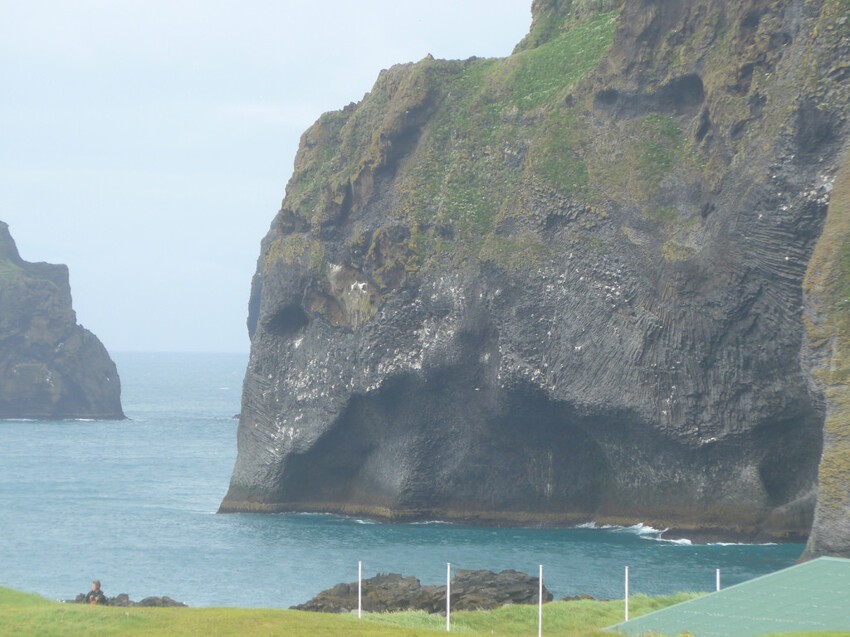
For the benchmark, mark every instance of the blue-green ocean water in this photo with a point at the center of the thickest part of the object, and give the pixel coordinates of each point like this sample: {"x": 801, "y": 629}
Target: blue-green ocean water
{"x": 133, "y": 503}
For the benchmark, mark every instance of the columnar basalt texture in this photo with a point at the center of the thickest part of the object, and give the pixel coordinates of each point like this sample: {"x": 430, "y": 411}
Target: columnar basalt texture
{"x": 50, "y": 367}
{"x": 560, "y": 286}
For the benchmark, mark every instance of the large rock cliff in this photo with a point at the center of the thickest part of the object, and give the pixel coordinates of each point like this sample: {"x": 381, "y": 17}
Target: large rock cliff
{"x": 50, "y": 367}
{"x": 560, "y": 286}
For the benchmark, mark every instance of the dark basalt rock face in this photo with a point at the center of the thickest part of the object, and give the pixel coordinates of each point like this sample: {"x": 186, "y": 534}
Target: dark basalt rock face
{"x": 391, "y": 592}
{"x": 50, "y": 367}
{"x": 562, "y": 286}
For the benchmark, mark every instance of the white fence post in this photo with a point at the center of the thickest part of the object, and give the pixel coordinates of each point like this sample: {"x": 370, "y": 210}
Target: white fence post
{"x": 448, "y": 597}
{"x": 717, "y": 580}
{"x": 540, "y": 604}
{"x": 359, "y": 590}
{"x": 627, "y": 593}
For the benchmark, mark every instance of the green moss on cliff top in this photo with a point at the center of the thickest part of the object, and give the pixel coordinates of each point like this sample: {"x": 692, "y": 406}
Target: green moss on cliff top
{"x": 551, "y": 18}
{"x": 534, "y": 76}
{"x": 631, "y": 165}
{"x": 502, "y": 124}
{"x": 461, "y": 137}
{"x": 9, "y": 270}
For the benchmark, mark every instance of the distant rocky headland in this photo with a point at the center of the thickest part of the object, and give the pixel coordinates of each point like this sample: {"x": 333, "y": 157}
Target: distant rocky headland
{"x": 50, "y": 367}
{"x": 604, "y": 278}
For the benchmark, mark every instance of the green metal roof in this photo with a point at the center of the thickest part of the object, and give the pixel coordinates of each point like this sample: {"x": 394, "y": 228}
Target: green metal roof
{"x": 813, "y": 596}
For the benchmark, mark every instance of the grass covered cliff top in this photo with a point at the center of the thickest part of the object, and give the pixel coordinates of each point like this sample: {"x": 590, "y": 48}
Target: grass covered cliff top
{"x": 462, "y": 140}
{"x": 22, "y": 614}
{"x": 464, "y": 154}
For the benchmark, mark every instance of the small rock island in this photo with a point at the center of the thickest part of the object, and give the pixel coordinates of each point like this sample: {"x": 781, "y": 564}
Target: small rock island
{"x": 50, "y": 367}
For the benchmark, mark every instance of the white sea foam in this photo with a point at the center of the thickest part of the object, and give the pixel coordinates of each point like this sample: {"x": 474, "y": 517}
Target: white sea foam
{"x": 595, "y": 526}
{"x": 638, "y": 529}
{"x": 741, "y": 544}
{"x": 646, "y": 532}
{"x": 642, "y": 529}
{"x": 680, "y": 541}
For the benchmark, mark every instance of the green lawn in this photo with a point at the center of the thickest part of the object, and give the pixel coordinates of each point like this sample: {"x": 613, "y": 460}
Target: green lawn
{"x": 22, "y": 614}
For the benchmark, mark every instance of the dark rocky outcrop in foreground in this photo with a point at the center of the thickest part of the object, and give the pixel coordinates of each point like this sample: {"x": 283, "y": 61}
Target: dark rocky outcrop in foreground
{"x": 567, "y": 285}
{"x": 124, "y": 600}
{"x": 50, "y": 367}
{"x": 471, "y": 590}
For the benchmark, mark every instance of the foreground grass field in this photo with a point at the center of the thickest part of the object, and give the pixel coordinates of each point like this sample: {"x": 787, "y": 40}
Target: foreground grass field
{"x": 22, "y": 614}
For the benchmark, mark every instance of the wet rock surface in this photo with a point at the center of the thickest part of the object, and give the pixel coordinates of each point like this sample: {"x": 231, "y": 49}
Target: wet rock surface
{"x": 470, "y": 590}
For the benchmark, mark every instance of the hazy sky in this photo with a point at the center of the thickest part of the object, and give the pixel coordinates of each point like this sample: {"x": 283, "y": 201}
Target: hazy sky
{"x": 147, "y": 143}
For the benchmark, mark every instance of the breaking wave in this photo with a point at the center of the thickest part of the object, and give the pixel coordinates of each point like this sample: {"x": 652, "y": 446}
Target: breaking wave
{"x": 638, "y": 529}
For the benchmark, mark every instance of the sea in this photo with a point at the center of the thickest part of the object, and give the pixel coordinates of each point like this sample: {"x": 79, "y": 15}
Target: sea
{"x": 133, "y": 503}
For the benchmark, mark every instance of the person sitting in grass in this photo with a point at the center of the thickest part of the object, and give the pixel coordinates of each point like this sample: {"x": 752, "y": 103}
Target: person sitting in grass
{"x": 95, "y": 595}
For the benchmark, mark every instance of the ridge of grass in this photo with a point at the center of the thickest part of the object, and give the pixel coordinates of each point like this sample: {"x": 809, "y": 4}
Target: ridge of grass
{"x": 578, "y": 618}
{"x": 25, "y": 614}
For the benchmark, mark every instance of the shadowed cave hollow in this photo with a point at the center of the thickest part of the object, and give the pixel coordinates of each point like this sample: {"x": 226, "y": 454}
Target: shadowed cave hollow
{"x": 434, "y": 445}
{"x": 288, "y": 321}
{"x": 438, "y": 444}
{"x": 679, "y": 96}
